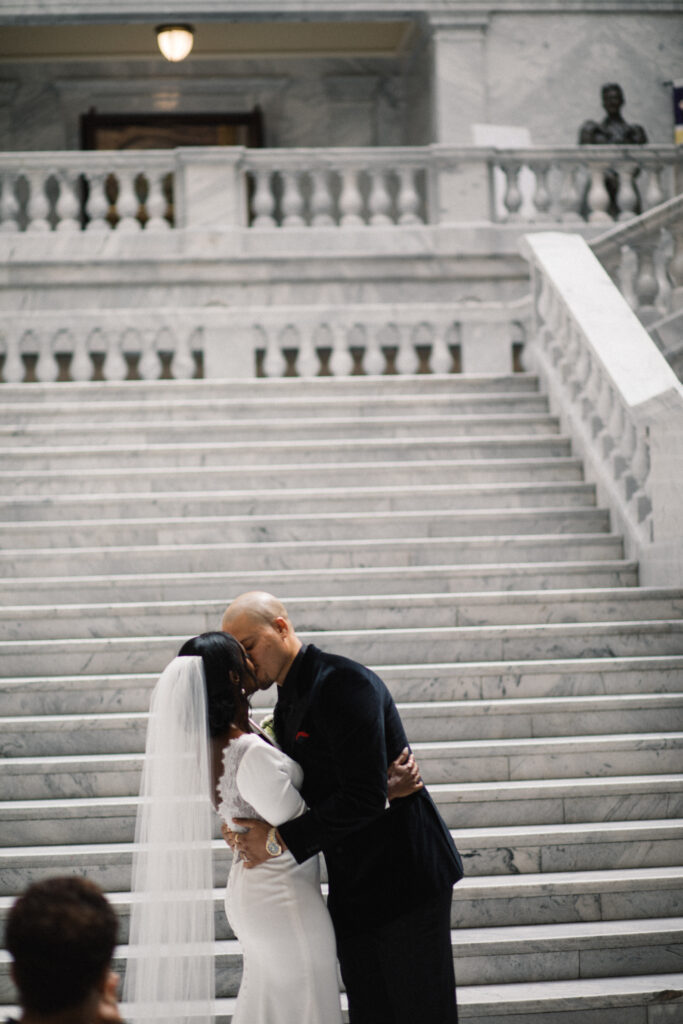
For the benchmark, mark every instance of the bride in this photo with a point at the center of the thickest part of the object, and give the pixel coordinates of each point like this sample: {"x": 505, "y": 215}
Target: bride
{"x": 200, "y": 745}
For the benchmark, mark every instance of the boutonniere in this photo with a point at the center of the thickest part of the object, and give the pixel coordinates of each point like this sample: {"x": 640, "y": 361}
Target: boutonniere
{"x": 301, "y": 736}
{"x": 268, "y": 726}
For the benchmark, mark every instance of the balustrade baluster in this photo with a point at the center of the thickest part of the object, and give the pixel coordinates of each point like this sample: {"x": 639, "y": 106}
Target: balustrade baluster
{"x": 646, "y": 286}
{"x": 614, "y": 421}
{"x": 582, "y": 367}
{"x": 374, "y": 362}
{"x": 380, "y": 201}
{"x": 183, "y": 364}
{"x": 598, "y": 197}
{"x": 264, "y": 200}
{"x": 341, "y": 361}
{"x": 604, "y": 413}
{"x": 627, "y": 197}
{"x": 46, "y": 370}
{"x": 408, "y": 198}
{"x": 541, "y": 198}
{"x": 512, "y": 200}
{"x": 80, "y": 367}
{"x": 156, "y": 202}
{"x": 115, "y": 366}
{"x": 676, "y": 264}
{"x": 97, "y": 206}
{"x": 406, "y": 358}
{"x": 9, "y": 207}
{"x": 652, "y": 192}
{"x": 148, "y": 364}
{"x": 127, "y": 203}
{"x": 350, "y": 200}
{"x": 13, "y": 369}
{"x": 321, "y": 199}
{"x": 68, "y": 205}
{"x": 307, "y": 363}
{"x": 273, "y": 360}
{"x": 292, "y": 200}
{"x": 38, "y": 206}
{"x": 570, "y": 193}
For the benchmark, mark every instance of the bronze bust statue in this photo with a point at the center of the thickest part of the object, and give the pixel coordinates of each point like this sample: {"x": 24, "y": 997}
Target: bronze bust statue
{"x": 613, "y": 130}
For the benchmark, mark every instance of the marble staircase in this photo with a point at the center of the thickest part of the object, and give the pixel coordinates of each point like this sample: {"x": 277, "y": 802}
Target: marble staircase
{"x": 437, "y": 528}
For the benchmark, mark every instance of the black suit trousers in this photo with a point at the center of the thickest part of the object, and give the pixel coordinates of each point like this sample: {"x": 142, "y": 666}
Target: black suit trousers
{"x": 402, "y": 972}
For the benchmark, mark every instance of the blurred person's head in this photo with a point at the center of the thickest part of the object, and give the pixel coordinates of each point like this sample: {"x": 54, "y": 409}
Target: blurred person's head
{"x": 61, "y": 935}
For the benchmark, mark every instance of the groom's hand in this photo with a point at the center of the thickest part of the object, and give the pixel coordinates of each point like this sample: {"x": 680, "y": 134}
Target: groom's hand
{"x": 251, "y": 845}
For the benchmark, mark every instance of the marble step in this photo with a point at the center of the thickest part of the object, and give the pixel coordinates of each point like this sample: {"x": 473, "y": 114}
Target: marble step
{"x": 504, "y": 955}
{"x": 372, "y": 611}
{"x": 86, "y": 693}
{"x": 63, "y": 433}
{"x": 376, "y": 552}
{"x": 371, "y": 646}
{"x": 514, "y": 899}
{"x": 408, "y": 579}
{"x": 425, "y": 721}
{"x": 517, "y": 760}
{"x": 639, "y": 999}
{"x": 282, "y": 407}
{"x": 510, "y": 852}
{"x": 83, "y": 820}
{"x": 276, "y": 451}
{"x": 321, "y": 526}
{"x": 455, "y": 497}
{"x": 23, "y": 482}
{"x": 266, "y": 390}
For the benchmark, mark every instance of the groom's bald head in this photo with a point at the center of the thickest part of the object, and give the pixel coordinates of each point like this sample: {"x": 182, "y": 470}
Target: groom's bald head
{"x": 261, "y": 623}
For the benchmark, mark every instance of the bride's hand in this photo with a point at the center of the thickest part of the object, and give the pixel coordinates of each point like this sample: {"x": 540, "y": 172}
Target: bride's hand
{"x": 251, "y": 844}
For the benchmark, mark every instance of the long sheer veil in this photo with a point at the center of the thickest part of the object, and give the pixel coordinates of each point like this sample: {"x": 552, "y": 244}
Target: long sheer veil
{"x": 170, "y": 970}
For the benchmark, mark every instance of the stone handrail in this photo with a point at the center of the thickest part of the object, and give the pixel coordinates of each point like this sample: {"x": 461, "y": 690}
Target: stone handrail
{"x": 645, "y": 259}
{"x": 149, "y": 344}
{"x": 228, "y": 188}
{"x": 616, "y": 395}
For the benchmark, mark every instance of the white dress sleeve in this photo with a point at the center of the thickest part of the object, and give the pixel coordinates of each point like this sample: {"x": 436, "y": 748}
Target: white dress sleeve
{"x": 265, "y": 780}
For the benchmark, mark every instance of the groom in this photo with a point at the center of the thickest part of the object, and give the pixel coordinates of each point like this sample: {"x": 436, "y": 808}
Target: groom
{"x": 391, "y": 868}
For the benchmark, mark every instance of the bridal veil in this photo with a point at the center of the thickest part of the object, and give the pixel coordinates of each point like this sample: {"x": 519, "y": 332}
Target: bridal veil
{"x": 170, "y": 969}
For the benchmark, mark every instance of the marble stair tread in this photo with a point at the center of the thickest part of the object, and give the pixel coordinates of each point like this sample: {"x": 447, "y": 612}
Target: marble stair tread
{"x": 20, "y": 415}
{"x": 98, "y": 479}
{"x": 503, "y": 955}
{"x": 275, "y": 451}
{"x": 568, "y": 757}
{"x": 463, "y": 805}
{"x": 619, "y": 894}
{"x": 161, "y": 586}
{"x": 371, "y": 646}
{"x": 629, "y": 1000}
{"x": 87, "y": 693}
{"x": 505, "y": 718}
{"x": 315, "y": 554}
{"x": 63, "y": 433}
{"x": 250, "y": 529}
{"x": 519, "y": 850}
{"x": 45, "y": 621}
{"x": 270, "y": 388}
{"x": 60, "y": 507}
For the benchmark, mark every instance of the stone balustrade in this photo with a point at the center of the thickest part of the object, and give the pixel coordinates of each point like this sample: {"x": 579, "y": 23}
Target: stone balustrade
{"x": 149, "y": 344}
{"x": 645, "y": 259}
{"x": 231, "y": 187}
{"x": 616, "y": 396}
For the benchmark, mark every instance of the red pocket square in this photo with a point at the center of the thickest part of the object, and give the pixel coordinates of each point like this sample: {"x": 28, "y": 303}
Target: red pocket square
{"x": 301, "y": 736}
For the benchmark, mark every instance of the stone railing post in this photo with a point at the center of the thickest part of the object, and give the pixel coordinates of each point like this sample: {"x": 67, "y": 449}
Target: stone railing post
{"x": 210, "y": 188}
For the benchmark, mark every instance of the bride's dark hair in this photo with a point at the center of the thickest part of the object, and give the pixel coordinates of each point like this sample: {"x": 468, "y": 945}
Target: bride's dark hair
{"x": 226, "y": 673}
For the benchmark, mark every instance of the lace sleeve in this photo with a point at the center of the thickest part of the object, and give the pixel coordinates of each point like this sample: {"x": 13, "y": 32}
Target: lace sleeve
{"x": 266, "y": 779}
{"x": 231, "y": 803}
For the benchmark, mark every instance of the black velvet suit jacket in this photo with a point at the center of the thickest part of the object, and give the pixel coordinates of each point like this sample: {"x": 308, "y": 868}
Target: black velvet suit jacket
{"x": 339, "y": 721}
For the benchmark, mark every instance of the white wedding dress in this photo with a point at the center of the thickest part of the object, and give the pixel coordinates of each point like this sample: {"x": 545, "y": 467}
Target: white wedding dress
{"x": 276, "y": 909}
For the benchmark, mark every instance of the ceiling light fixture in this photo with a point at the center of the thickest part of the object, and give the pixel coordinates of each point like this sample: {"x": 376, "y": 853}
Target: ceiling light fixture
{"x": 175, "y": 41}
